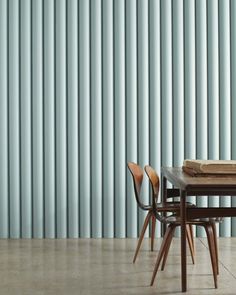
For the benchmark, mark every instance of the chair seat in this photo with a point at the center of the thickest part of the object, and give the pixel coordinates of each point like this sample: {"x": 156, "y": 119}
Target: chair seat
{"x": 169, "y": 206}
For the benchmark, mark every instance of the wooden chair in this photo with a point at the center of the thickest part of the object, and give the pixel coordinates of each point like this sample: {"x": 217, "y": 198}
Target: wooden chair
{"x": 137, "y": 174}
{"x": 173, "y": 221}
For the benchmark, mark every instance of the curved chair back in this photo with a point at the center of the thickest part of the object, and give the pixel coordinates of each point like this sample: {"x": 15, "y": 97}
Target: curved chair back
{"x": 155, "y": 184}
{"x": 137, "y": 174}
{"x": 154, "y": 180}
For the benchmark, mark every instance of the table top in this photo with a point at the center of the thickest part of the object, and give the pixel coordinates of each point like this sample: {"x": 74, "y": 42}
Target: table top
{"x": 212, "y": 185}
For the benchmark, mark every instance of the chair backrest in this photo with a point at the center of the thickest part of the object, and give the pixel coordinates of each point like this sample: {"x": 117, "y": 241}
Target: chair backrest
{"x": 155, "y": 184}
{"x": 154, "y": 180}
{"x": 137, "y": 174}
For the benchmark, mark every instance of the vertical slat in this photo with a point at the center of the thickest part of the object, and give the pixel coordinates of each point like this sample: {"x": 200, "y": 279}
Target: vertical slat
{"x": 96, "y": 118}
{"x": 37, "y": 117}
{"x": 225, "y": 99}
{"x": 25, "y": 106}
{"x": 143, "y": 99}
{"x": 3, "y": 122}
{"x": 132, "y": 105}
{"x": 201, "y": 87}
{"x": 61, "y": 106}
{"x": 108, "y": 119}
{"x": 155, "y": 89}
{"x": 213, "y": 86}
{"x": 131, "y": 111}
{"x": 166, "y": 83}
{"x": 84, "y": 118}
{"x": 119, "y": 87}
{"x": 178, "y": 83}
{"x": 189, "y": 82}
{"x": 233, "y": 96}
{"x": 14, "y": 118}
{"x": 49, "y": 119}
{"x": 73, "y": 134}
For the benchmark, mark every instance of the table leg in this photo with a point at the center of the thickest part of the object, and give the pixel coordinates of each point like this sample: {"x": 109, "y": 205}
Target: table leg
{"x": 183, "y": 240}
{"x": 164, "y": 199}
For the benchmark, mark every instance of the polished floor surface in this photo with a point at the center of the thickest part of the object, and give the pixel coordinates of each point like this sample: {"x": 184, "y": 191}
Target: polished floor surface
{"x": 104, "y": 266}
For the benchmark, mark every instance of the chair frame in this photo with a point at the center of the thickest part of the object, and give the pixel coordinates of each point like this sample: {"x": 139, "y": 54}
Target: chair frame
{"x": 137, "y": 175}
{"x": 208, "y": 224}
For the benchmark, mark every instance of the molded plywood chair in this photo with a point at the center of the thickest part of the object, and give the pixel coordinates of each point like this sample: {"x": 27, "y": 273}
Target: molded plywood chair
{"x": 137, "y": 174}
{"x": 173, "y": 221}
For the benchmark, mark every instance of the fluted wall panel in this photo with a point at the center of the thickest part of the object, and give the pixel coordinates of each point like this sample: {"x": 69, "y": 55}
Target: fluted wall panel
{"x": 178, "y": 82}
{"x": 155, "y": 90}
{"x": 213, "y": 86}
{"x": 119, "y": 116}
{"x": 201, "y": 87}
{"x": 49, "y": 119}
{"x": 225, "y": 98}
{"x": 86, "y": 86}
{"x": 4, "y": 188}
{"x": 131, "y": 110}
{"x": 72, "y": 120}
{"x": 166, "y": 84}
{"x": 143, "y": 97}
{"x": 107, "y": 119}
{"x": 84, "y": 119}
{"x": 189, "y": 81}
{"x": 14, "y": 118}
{"x": 25, "y": 118}
{"x": 96, "y": 117}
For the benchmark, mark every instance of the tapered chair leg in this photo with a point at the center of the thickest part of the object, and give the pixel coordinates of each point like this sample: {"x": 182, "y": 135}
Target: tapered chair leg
{"x": 147, "y": 219}
{"x": 216, "y": 246}
{"x": 210, "y": 237}
{"x": 153, "y": 231}
{"x": 161, "y": 252}
{"x": 167, "y": 248}
{"x": 190, "y": 242}
{"x": 192, "y": 237}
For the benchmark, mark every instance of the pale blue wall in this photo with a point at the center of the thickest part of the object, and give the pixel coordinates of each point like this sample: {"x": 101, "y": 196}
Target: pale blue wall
{"x": 86, "y": 86}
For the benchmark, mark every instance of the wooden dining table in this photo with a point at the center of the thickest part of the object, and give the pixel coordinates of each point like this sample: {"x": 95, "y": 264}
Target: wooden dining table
{"x": 185, "y": 185}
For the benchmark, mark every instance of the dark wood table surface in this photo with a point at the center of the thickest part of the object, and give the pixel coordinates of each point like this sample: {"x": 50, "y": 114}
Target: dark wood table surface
{"x": 186, "y": 185}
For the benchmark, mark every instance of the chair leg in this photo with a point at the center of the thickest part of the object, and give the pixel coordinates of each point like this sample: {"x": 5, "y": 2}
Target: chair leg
{"x": 216, "y": 246}
{"x": 147, "y": 219}
{"x": 210, "y": 237}
{"x": 168, "y": 243}
{"x": 161, "y": 252}
{"x": 192, "y": 237}
{"x": 190, "y": 242}
{"x": 153, "y": 231}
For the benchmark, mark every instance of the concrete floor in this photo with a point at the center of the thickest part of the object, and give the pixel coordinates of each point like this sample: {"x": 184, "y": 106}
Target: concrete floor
{"x": 104, "y": 266}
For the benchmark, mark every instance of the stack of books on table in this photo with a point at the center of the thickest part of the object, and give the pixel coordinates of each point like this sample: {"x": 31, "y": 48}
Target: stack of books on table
{"x": 200, "y": 168}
